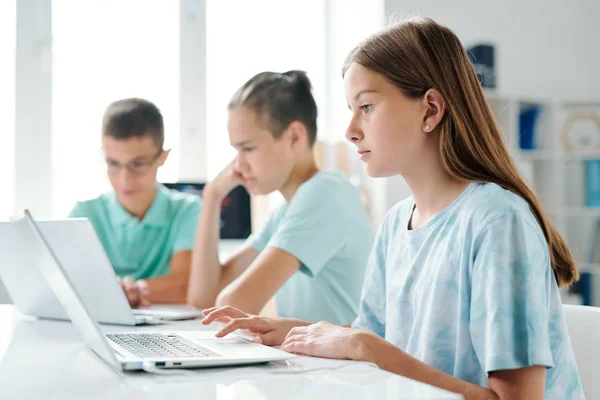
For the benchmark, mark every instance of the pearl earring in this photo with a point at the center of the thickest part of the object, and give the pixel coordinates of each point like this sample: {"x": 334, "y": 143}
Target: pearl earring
{"x": 426, "y": 128}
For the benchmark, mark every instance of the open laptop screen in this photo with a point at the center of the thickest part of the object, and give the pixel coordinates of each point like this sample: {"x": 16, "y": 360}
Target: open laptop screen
{"x": 62, "y": 287}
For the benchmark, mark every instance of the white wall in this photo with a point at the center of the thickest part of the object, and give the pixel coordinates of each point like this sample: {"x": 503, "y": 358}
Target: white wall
{"x": 543, "y": 47}
{"x": 4, "y": 297}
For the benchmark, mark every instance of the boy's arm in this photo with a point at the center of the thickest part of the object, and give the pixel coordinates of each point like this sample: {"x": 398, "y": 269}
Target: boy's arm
{"x": 172, "y": 288}
{"x": 208, "y": 276}
{"x": 260, "y": 281}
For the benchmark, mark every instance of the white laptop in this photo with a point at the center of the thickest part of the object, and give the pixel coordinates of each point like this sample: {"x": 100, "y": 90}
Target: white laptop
{"x": 138, "y": 350}
{"x": 80, "y": 252}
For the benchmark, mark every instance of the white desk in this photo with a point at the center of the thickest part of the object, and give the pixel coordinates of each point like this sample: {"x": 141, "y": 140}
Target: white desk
{"x": 47, "y": 359}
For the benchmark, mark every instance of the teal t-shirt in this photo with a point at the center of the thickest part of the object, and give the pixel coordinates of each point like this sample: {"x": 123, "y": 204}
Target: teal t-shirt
{"x": 143, "y": 249}
{"x": 326, "y": 227}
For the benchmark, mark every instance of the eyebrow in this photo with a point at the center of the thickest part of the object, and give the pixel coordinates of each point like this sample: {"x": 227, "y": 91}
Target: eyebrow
{"x": 360, "y": 94}
{"x": 242, "y": 143}
{"x": 363, "y": 92}
{"x": 137, "y": 159}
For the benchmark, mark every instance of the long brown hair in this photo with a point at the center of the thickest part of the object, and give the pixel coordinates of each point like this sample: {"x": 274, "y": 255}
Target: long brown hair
{"x": 419, "y": 54}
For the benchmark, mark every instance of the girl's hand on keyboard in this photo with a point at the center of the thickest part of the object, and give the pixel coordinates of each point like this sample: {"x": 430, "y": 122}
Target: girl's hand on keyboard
{"x": 268, "y": 331}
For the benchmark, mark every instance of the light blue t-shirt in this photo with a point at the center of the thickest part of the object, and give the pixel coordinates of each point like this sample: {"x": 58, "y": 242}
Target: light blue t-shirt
{"x": 326, "y": 227}
{"x": 470, "y": 292}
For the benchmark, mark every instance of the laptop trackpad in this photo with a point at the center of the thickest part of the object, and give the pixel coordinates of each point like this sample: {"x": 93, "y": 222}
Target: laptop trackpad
{"x": 238, "y": 348}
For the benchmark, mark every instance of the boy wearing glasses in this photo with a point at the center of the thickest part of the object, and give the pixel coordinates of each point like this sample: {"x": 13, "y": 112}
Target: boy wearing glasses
{"x": 146, "y": 229}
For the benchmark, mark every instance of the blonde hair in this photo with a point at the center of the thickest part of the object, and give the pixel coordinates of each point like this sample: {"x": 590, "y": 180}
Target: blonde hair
{"x": 419, "y": 54}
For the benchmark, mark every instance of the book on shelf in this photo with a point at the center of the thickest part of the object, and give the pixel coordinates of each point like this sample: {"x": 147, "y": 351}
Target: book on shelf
{"x": 595, "y": 259}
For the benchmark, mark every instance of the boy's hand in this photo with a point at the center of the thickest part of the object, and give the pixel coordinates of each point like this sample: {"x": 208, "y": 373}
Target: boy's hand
{"x": 225, "y": 181}
{"x": 136, "y": 291}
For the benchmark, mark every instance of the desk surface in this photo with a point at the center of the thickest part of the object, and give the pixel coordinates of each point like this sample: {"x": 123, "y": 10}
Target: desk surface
{"x": 43, "y": 359}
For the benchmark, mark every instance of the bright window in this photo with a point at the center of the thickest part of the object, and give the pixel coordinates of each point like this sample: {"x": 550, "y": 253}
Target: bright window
{"x": 247, "y": 37}
{"x": 351, "y": 22}
{"x": 104, "y": 50}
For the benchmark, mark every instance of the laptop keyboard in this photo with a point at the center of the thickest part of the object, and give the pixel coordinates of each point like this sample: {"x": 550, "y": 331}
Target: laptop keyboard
{"x": 150, "y": 345}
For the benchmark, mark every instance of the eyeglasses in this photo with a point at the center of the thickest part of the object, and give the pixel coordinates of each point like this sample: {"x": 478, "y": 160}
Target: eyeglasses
{"x": 138, "y": 167}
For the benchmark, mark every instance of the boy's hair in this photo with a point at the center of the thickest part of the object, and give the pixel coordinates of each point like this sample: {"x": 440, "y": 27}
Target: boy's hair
{"x": 420, "y": 54}
{"x": 133, "y": 117}
{"x": 279, "y": 99}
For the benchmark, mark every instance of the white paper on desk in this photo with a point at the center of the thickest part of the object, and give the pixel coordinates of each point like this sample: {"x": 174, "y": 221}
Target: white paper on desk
{"x": 304, "y": 363}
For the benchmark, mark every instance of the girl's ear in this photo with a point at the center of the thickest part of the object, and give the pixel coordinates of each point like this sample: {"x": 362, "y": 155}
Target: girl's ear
{"x": 435, "y": 109}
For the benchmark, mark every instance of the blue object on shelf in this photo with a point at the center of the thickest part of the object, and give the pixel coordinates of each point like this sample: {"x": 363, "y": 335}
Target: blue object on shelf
{"x": 585, "y": 288}
{"x": 527, "y": 121}
{"x": 592, "y": 183}
{"x": 482, "y": 57}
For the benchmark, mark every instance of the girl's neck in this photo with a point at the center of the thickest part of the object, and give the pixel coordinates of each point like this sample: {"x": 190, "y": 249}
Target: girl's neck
{"x": 433, "y": 189}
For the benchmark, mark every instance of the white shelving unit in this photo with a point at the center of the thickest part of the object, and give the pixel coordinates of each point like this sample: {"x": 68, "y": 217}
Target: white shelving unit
{"x": 539, "y": 166}
{"x": 556, "y": 175}
{"x": 580, "y": 223}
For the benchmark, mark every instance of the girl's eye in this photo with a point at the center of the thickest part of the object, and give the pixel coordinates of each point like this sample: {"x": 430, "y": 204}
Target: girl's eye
{"x": 366, "y": 107}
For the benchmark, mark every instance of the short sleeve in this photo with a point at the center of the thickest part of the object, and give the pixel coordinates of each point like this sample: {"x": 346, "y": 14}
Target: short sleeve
{"x": 79, "y": 211}
{"x": 511, "y": 288}
{"x": 312, "y": 229}
{"x": 372, "y": 309}
{"x": 186, "y": 234}
{"x": 260, "y": 239}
